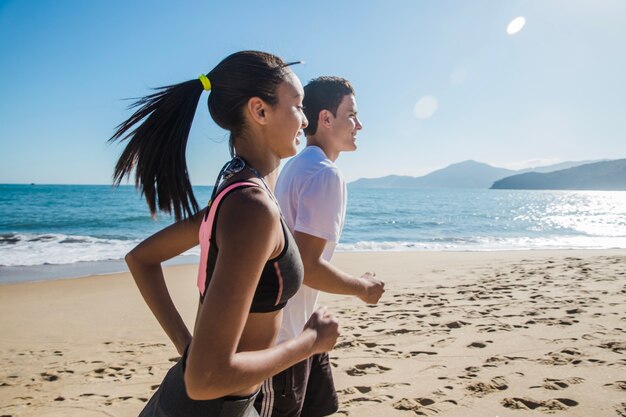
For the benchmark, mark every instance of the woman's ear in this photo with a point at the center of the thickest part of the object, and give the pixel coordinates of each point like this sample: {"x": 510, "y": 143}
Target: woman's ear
{"x": 257, "y": 110}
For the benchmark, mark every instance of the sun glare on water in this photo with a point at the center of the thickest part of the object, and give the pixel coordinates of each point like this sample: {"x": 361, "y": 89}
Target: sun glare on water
{"x": 516, "y": 25}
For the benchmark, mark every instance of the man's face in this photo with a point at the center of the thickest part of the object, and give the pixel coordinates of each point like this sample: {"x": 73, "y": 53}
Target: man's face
{"x": 346, "y": 125}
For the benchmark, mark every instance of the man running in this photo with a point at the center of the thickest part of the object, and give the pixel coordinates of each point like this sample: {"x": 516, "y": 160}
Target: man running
{"x": 312, "y": 192}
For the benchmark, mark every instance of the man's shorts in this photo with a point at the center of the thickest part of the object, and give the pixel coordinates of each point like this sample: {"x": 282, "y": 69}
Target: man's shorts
{"x": 304, "y": 390}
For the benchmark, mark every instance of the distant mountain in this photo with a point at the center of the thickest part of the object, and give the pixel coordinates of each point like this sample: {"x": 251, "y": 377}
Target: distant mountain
{"x": 390, "y": 181}
{"x": 559, "y": 166}
{"x": 606, "y": 175}
{"x": 467, "y": 174}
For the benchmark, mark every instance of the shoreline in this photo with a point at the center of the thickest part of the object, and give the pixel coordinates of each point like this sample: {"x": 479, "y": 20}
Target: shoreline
{"x": 52, "y": 272}
{"x": 83, "y": 269}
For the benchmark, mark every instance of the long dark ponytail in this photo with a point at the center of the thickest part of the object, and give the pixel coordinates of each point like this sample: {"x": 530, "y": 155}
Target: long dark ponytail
{"x": 158, "y": 131}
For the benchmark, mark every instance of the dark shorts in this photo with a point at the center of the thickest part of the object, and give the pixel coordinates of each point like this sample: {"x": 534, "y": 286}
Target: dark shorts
{"x": 171, "y": 400}
{"x": 304, "y": 390}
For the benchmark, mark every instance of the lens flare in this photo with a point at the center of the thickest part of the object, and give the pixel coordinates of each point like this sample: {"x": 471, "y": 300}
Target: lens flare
{"x": 516, "y": 25}
{"x": 425, "y": 107}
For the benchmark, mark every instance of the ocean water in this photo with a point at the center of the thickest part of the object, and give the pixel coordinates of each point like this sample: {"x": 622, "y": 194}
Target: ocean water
{"x": 73, "y": 228}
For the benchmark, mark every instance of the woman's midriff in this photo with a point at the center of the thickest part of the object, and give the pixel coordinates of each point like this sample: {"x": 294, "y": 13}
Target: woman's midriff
{"x": 259, "y": 333}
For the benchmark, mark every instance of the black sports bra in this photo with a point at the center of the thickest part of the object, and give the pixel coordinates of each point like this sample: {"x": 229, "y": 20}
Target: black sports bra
{"x": 281, "y": 276}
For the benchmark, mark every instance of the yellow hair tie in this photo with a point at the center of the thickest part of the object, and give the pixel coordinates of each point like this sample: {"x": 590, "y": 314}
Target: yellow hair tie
{"x": 205, "y": 82}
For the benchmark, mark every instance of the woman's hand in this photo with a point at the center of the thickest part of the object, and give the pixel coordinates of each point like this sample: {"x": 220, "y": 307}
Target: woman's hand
{"x": 326, "y": 328}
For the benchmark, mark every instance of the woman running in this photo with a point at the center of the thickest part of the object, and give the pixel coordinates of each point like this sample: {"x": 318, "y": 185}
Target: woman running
{"x": 249, "y": 265}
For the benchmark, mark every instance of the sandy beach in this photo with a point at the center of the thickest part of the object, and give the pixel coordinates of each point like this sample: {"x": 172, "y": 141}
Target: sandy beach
{"x": 523, "y": 333}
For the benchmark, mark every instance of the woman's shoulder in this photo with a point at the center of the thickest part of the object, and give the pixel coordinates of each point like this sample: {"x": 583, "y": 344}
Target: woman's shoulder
{"x": 249, "y": 220}
{"x": 250, "y": 203}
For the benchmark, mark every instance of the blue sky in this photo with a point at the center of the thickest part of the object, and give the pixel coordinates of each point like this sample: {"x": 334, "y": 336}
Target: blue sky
{"x": 553, "y": 92}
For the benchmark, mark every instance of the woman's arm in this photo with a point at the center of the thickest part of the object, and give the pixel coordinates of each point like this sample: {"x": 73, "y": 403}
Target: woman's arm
{"x": 248, "y": 234}
{"x": 144, "y": 262}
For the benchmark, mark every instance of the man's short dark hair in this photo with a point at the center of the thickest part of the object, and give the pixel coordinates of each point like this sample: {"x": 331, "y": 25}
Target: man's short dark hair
{"x": 323, "y": 93}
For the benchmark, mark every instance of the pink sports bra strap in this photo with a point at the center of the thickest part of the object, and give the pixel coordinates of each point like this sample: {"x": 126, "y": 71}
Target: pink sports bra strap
{"x": 206, "y": 228}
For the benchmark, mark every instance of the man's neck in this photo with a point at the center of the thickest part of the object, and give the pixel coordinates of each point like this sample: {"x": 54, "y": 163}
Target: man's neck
{"x": 328, "y": 151}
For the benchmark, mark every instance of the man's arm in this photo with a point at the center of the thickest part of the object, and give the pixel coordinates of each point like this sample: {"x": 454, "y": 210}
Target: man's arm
{"x": 323, "y": 276}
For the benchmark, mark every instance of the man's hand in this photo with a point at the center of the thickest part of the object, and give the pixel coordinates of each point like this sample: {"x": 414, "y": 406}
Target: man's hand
{"x": 373, "y": 288}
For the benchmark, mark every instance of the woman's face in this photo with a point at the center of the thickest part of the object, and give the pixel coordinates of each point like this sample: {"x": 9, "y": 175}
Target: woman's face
{"x": 287, "y": 117}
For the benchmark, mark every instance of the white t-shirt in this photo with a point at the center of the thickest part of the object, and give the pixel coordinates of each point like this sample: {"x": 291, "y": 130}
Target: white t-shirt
{"x": 312, "y": 195}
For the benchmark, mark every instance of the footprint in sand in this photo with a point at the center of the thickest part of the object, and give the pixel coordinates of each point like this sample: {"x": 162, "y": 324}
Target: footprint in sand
{"x": 347, "y": 344}
{"x": 559, "y": 340}
{"x": 132, "y": 349}
{"x": 621, "y": 362}
{"x": 388, "y": 351}
{"x": 480, "y": 389}
{"x": 559, "y": 384}
{"x": 592, "y": 336}
{"x": 125, "y": 398}
{"x": 384, "y": 385}
{"x": 495, "y": 361}
{"x": 618, "y": 385}
{"x": 443, "y": 342}
{"x": 364, "y": 389}
{"x": 354, "y": 390}
{"x": 401, "y": 331}
{"x": 420, "y": 352}
{"x": 494, "y": 327}
{"x": 616, "y": 346}
{"x": 353, "y": 402}
{"x": 367, "y": 368}
{"x": 50, "y": 377}
{"x": 378, "y": 348}
{"x": 21, "y": 401}
{"x": 91, "y": 394}
{"x": 112, "y": 372}
{"x": 413, "y": 404}
{"x": 479, "y": 345}
{"x": 471, "y": 372}
{"x": 562, "y": 357}
{"x": 423, "y": 406}
{"x": 621, "y": 410}
{"x": 530, "y": 404}
{"x": 456, "y": 324}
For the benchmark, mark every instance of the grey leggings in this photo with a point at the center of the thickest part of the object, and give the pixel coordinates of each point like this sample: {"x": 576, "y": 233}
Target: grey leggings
{"x": 171, "y": 400}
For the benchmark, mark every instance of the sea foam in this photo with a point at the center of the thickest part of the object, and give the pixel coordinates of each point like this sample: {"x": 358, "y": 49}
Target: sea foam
{"x": 25, "y": 249}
